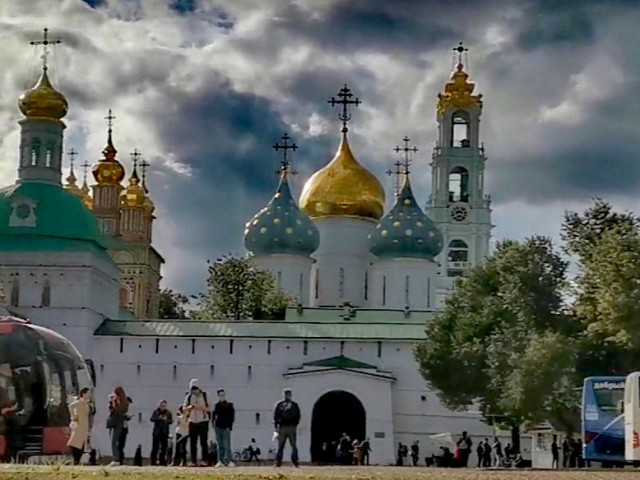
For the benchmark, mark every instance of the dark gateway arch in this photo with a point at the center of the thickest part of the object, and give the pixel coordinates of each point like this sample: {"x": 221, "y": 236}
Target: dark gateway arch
{"x": 335, "y": 413}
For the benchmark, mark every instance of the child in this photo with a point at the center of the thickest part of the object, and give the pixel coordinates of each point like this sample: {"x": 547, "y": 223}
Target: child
{"x": 182, "y": 436}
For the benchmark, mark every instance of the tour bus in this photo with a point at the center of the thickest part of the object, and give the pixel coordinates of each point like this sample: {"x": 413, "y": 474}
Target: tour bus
{"x": 40, "y": 373}
{"x": 603, "y": 424}
{"x": 632, "y": 418}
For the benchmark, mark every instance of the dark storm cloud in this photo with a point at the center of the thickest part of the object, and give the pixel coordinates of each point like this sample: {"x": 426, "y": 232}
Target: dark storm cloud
{"x": 95, "y": 3}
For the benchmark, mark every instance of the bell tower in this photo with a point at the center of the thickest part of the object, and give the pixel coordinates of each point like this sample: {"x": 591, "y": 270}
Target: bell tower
{"x": 458, "y": 203}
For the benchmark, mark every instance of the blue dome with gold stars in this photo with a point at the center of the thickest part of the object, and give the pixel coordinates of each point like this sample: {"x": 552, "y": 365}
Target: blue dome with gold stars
{"x": 406, "y": 232}
{"x": 281, "y": 227}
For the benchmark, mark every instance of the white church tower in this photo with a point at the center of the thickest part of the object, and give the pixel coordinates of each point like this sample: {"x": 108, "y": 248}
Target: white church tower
{"x": 458, "y": 203}
{"x": 345, "y": 201}
{"x": 280, "y": 238}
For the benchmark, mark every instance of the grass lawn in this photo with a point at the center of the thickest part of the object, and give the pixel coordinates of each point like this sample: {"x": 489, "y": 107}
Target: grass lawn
{"x": 58, "y": 472}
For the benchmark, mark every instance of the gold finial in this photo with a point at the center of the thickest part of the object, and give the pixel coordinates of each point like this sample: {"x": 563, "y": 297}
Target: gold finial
{"x": 285, "y": 163}
{"x": 143, "y": 166}
{"x": 458, "y": 92}
{"x": 43, "y": 100}
{"x": 109, "y": 171}
{"x": 109, "y": 151}
{"x": 345, "y": 100}
{"x": 71, "y": 179}
{"x": 133, "y": 195}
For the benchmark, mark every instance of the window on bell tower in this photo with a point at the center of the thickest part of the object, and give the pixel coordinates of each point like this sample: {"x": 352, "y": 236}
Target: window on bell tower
{"x": 460, "y": 123}
{"x": 459, "y": 185}
{"x": 35, "y": 152}
{"x": 457, "y": 258}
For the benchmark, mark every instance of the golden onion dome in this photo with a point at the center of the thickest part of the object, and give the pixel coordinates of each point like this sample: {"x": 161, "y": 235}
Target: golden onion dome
{"x": 133, "y": 196}
{"x": 343, "y": 187}
{"x": 108, "y": 171}
{"x": 43, "y": 100}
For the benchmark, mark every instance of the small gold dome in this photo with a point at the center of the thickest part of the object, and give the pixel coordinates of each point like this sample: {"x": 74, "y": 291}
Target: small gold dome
{"x": 108, "y": 171}
{"x": 86, "y": 196}
{"x": 343, "y": 187}
{"x": 133, "y": 196}
{"x": 43, "y": 100}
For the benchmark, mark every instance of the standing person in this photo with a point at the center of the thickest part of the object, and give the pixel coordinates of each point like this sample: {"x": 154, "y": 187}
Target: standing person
{"x": 400, "y": 454}
{"x": 161, "y": 419}
{"x": 357, "y": 452}
{"x": 565, "y": 452}
{"x": 555, "y": 453}
{"x": 415, "y": 453}
{"x": 486, "y": 460}
{"x": 286, "y": 417}
{"x": 224, "y": 414}
{"x": 80, "y": 413}
{"x": 118, "y": 423}
{"x": 480, "y": 453}
{"x": 366, "y": 449}
{"x": 8, "y": 411}
{"x": 196, "y": 405}
{"x": 345, "y": 449}
{"x": 464, "y": 444}
{"x": 497, "y": 452}
{"x": 182, "y": 435}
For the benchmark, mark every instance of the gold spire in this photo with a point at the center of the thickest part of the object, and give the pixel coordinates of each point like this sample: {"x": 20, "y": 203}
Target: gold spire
{"x": 458, "y": 92}
{"x": 71, "y": 185}
{"x": 133, "y": 196}
{"x": 108, "y": 171}
{"x": 84, "y": 190}
{"x": 43, "y": 101}
{"x": 343, "y": 187}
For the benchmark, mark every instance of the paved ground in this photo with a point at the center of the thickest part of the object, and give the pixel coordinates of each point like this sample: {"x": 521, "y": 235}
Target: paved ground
{"x": 58, "y": 472}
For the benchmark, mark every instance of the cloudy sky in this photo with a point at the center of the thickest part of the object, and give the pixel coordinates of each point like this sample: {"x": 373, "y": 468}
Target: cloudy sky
{"x": 203, "y": 88}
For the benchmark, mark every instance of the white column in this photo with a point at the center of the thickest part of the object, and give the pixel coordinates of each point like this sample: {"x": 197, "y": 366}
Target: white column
{"x": 338, "y": 275}
{"x": 291, "y": 272}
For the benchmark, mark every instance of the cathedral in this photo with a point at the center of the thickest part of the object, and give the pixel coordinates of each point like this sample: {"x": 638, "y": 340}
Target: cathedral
{"x": 80, "y": 260}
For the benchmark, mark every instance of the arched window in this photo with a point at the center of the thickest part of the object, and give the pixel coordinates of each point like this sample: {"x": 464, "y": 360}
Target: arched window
{"x": 457, "y": 258}
{"x": 35, "y": 151}
{"x": 460, "y": 129}
{"x": 48, "y": 156}
{"x": 459, "y": 185}
{"x": 46, "y": 294}
{"x": 15, "y": 293}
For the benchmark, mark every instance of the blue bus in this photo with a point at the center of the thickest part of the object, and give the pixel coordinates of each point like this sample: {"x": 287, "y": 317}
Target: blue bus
{"x": 603, "y": 420}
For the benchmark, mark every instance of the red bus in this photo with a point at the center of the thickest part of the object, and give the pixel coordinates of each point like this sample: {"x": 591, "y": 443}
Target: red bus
{"x": 40, "y": 374}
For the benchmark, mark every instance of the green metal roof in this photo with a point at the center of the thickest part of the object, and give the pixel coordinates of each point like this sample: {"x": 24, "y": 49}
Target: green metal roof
{"x": 58, "y": 214}
{"x": 262, "y": 329}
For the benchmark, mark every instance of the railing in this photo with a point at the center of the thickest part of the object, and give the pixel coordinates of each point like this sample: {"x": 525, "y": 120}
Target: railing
{"x": 458, "y": 265}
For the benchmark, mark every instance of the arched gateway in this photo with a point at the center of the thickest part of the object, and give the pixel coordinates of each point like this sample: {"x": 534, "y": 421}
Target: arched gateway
{"x": 335, "y": 413}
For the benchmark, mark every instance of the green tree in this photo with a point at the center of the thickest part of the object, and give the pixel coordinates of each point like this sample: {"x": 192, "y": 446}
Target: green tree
{"x": 172, "y": 305}
{"x": 503, "y": 340}
{"x": 606, "y": 245}
{"x": 238, "y": 290}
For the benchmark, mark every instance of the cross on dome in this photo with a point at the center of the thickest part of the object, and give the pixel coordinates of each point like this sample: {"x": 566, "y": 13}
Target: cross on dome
{"x": 135, "y": 155}
{"x": 407, "y": 154}
{"x": 285, "y": 163}
{"x": 397, "y": 172}
{"x": 72, "y": 154}
{"x": 45, "y": 42}
{"x": 144, "y": 165}
{"x": 460, "y": 49}
{"x": 110, "y": 118}
{"x": 345, "y": 100}
{"x": 85, "y": 168}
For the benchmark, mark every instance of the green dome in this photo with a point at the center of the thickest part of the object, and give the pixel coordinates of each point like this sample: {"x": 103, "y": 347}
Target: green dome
{"x": 281, "y": 227}
{"x": 406, "y": 232}
{"x": 44, "y": 210}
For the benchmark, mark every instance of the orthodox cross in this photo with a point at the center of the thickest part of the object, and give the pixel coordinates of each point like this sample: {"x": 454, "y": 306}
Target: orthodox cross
{"x": 110, "y": 118}
{"x": 460, "y": 49}
{"x": 285, "y": 163}
{"x": 85, "y": 166}
{"x": 72, "y": 156}
{"x": 398, "y": 175}
{"x": 45, "y": 42}
{"x": 345, "y": 100}
{"x": 144, "y": 165}
{"x": 407, "y": 154}
{"x": 135, "y": 155}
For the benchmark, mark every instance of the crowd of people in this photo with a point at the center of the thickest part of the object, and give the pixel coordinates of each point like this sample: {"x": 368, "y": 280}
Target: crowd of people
{"x": 344, "y": 451}
{"x": 192, "y": 420}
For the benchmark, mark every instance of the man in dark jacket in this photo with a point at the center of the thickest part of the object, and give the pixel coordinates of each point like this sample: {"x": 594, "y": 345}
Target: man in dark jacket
{"x": 286, "y": 417}
{"x": 222, "y": 418}
{"x": 161, "y": 419}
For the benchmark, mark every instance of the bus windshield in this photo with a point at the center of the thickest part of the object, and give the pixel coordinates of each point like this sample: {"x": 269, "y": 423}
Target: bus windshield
{"x": 603, "y": 419}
